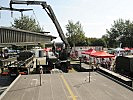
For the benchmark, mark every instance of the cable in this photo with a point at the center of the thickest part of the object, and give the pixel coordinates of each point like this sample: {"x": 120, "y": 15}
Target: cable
{"x": 12, "y": 14}
{"x": 36, "y": 18}
{"x": 0, "y": 14}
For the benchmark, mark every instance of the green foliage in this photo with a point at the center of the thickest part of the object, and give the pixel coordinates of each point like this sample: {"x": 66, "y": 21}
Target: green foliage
{"x": 96, "y": 42}
{"x": 120, "y": 32}
{"x": 27, "y": 23}
{"x": 75, "y": 34}
{"x": 105, "y": 39}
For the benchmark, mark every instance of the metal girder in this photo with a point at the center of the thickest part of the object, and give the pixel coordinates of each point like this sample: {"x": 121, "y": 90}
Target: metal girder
{"x": 13, "y": 9}
{"x": 27, "y": 2}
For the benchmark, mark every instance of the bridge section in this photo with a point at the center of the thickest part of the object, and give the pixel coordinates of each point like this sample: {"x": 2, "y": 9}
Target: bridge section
{"x": 11, "y": 36}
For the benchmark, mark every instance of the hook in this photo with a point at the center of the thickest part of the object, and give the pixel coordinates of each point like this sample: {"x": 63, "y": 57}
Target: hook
{"x": 21, "y": 14}
{"x": 12, "y": 14}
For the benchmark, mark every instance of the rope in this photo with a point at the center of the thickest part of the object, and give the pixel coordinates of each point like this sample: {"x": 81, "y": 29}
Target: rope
{"x": 0, "y": 15}
{"x": 36, "y": 18}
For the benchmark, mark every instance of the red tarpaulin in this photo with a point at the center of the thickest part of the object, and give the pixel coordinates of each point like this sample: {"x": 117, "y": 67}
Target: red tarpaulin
{"x": 101, "y": 54}
{"x": 58, "y": 49}
{"x": 47, "y": 49}
{"x": 88, "y": 52}
{"x": 127, "y": 49}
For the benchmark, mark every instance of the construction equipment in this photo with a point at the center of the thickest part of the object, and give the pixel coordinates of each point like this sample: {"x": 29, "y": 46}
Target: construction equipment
{"x": 13, "y": 9}
{"x": 50, "y": 13}
{"x": 65, "y": 52}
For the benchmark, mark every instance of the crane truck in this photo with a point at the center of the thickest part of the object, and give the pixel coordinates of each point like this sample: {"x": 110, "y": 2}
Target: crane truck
{"x": 65, "y": 52}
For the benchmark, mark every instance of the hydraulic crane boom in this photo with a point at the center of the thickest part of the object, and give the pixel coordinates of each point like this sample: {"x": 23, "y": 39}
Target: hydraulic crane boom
{"x": 20, "y": 10}
{"x": 13, "y": 9}
{"x": 51, "y": 14}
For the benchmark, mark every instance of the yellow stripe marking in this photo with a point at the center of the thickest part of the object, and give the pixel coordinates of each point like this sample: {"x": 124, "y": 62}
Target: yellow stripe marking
{"x": 72, "y": 70}
{"x": 68, "y": 88}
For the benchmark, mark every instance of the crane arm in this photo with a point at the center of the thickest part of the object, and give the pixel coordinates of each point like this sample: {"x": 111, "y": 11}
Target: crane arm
{"x": 13, "y": 9}
{"x": 50, "y": 13}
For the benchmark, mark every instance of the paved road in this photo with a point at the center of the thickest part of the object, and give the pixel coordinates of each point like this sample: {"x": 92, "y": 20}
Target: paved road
{"x": 87, "y": 66}
{"x": 5, "y": 81}
{"x": 69, "y": 86}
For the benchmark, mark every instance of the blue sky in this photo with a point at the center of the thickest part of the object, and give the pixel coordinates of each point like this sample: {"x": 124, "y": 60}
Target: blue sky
{"x": 95, "y": 15}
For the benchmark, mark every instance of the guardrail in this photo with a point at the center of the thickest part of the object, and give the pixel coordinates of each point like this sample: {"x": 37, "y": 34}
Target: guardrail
{"x": 7, "y": 62}
{"x": 29, "y": 61}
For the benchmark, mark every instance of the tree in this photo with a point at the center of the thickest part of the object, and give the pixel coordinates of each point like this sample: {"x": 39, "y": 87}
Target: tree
{"x": 75, "y": 34}
{"x": 97, "y": 42}
{"x": 27, "y": 23}
{"x": 105, "y": 39}
{"x": 121, "y": 32}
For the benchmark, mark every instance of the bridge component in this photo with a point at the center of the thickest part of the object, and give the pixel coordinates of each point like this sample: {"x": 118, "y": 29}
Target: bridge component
{"x": 11, "y": 36}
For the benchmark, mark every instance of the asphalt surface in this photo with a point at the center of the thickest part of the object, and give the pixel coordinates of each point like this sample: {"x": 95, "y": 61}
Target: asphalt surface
{"x": 69, "y": 86}
{"x": 5, "y": 81}
{"x": 87, "y": 66}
